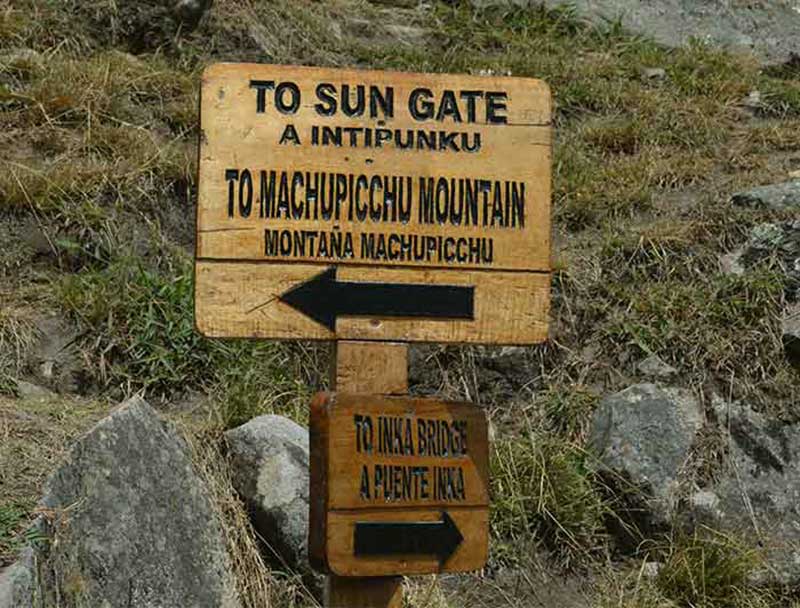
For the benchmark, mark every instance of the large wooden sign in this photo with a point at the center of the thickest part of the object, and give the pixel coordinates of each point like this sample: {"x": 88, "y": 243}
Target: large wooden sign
{"x": 343, "y": 204}
{"x": 398, "y": 485}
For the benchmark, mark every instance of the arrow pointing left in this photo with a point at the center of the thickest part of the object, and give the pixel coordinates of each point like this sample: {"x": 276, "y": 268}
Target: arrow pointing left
{"x": 323, "y": 298}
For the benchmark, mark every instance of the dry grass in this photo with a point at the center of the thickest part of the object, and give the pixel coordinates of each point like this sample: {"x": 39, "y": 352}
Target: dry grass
{"x": 97, "y": 146}
{"x": 255, "y": 584}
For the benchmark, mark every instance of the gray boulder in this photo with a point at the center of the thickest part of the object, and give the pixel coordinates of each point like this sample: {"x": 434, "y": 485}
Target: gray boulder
{"x": 128, "y": 522}
{"x": 769, "y": 28}
{"x": 759, "y": 494}
{"x": 270, "y": 470}
{"x": 643, "y": 435}
{"x": 775, "y": 197}
{"x": 16, "y": 582}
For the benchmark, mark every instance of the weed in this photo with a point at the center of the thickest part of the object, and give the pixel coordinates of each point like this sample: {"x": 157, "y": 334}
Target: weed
{"x": 709, "y": 569}
{"x": 727, "y": 327}
{"x": 144, "y": 338}
{"x": 567, "y": 411}
{"x": 541, "y": 490}
{"x": 12, "y": 517}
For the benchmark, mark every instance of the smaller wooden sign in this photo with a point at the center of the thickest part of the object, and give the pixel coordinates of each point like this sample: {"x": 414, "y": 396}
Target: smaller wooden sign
{"x": 398, "y": 485}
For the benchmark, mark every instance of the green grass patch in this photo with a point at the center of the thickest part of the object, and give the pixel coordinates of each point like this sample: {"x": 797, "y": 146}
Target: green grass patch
{"x": 142, "y": 337}
{"x": 543, "y": 492}
{"x": 12, "y": 517}
{"x": 709, "y": 569}
{"x": 727, "y": 325}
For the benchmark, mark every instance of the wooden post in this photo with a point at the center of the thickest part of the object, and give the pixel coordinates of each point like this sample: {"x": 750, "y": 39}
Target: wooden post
{"x": 374, "y": 368}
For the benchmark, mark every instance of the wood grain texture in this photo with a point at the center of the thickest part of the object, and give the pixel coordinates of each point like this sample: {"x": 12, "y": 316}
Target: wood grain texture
{"x": 486, "y": 223}
{"x": 235, "y": 136}
{"x": 425, "y": 420}
{"x": 350, "y": 356}
{"x": 360, "y": 366}
{"x": 450, "y": 444}
{"x": 364, "y": 592}
{"x": 241, "y": 300}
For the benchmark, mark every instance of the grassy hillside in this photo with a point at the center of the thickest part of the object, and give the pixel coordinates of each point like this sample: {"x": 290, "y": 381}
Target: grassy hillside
{"x": 98, "y": 132}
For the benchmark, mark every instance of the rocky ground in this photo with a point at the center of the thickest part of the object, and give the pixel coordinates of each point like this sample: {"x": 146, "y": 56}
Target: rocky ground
{"x": 646, "y": 455}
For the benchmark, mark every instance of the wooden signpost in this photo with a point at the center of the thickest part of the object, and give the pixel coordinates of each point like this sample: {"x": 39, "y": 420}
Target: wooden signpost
{"x": 376, "y": 209}
{"x": 400, "y": 485}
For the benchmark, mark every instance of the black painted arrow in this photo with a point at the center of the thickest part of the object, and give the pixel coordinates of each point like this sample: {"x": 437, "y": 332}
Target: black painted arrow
{"x": 323, "y": 298}
{"x": 440, "y": 538}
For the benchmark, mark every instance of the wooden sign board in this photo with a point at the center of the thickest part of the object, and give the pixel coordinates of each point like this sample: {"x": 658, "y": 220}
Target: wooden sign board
{"x": 345, "y": 204}
{"x": 398, "y": 485}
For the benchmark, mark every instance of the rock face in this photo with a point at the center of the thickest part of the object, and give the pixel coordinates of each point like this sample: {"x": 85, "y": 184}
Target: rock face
{"x": 770, "y": 28}
{"x": 16, "y": 582}
{"x": 759, "y": 496}
{"x": 775, "y": 197}
{"x": 643, "y": 434}
{"x": 128, "y": 522}
{"x": 269, "y": 466}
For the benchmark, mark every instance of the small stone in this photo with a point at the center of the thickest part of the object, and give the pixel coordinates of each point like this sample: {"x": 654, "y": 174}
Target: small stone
{"x": 752, "y": 101}
{"x": 190, "y": 11}
{"x": 704, "y": 507}
{"x": 653, "y": 74}
{"x": 730, "y": 263}
{"x": 650, "y": 570}
{"x": 26, "y": 390}
{"x": 777, "y": 244}
{"x": 269, "y": 467}
{"x": 654, "y": 367}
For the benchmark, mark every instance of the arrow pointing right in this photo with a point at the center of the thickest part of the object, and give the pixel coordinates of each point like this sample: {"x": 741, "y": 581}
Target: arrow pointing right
{"x": 440, "y": 538}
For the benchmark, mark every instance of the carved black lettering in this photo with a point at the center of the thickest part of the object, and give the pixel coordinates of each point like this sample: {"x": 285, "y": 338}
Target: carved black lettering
{"x": 245, "y": 193}
{"x": 448, "y": 106}
{"x": 231, "y": 176}
{"x": 518, "y": 204}
{"x": 287, "y": 98}
{"x": 348, "y": 107}
{"x": 290, "y": 135}
{"x": 326, "y": 93}
{"x": 496, "y": 107}
{"x": 382, "y": 135}
{"x": 420, "y": 105}
{"x": 471, "y": 98}
{"x": 271, "y": 243}
{"x": 383, "y": 100}
{"x": 364, "y": 485}
{"x": 261, "y": 87}
{"x": 266, "y": 195}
